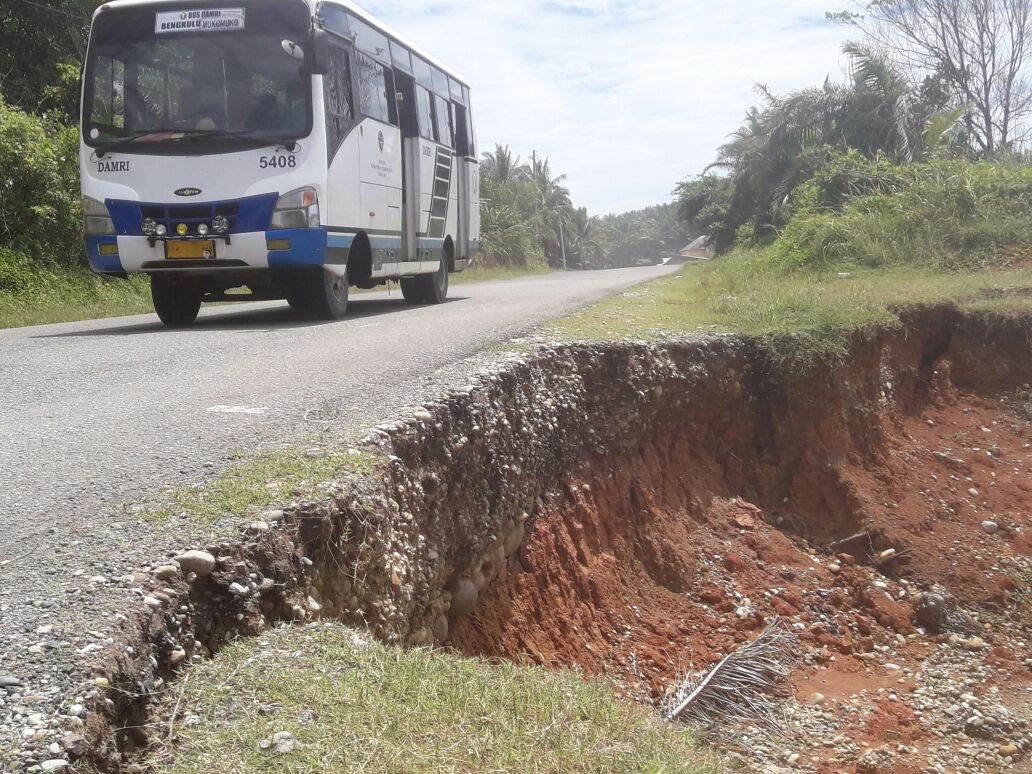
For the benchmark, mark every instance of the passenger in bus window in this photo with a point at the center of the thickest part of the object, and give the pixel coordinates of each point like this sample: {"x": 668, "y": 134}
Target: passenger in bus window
{"x": 264, "y": 113}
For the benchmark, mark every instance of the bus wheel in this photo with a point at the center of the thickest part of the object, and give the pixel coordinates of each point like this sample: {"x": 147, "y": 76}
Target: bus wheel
{"x": 434, "y": 287}
{"x": 411, "y": 290}
{"x": 177, "y": 304}
{"x": 326, "y": 295}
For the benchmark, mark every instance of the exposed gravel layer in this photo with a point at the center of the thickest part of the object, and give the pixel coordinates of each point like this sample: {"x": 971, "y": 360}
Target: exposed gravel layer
{"x": 98, "y": 414}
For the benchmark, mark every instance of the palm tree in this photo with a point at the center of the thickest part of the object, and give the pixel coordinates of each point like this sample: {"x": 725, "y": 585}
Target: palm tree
{"x": 781, "y": 144}
{"x": 583, "y": 236}
{"x": 502, "y": 166}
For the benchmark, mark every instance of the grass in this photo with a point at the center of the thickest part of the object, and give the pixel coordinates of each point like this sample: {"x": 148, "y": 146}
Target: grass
{"x": 261, "y": 480}
{"x": 486, "y": 273}
{"x": 803, "y": 313}
{"x": 357, "y": 705}
{"x": 70, "y": 296}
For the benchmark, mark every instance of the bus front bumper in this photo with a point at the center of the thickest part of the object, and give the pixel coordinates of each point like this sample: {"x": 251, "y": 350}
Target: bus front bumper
{"x": 279, "y": 249}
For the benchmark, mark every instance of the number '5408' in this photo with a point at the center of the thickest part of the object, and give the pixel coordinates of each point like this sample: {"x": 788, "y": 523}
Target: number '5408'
{"x": 277, "y": 162}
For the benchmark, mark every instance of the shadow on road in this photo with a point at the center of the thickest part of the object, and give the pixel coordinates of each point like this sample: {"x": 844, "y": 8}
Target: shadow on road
{"x": 264, "y": 320}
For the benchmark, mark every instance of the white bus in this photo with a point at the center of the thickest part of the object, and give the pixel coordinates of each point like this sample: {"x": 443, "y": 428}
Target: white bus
{"x": 290, "y": 147}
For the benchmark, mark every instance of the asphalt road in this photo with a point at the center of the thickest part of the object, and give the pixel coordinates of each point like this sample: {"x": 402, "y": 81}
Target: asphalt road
{"x": 97, "y": 414}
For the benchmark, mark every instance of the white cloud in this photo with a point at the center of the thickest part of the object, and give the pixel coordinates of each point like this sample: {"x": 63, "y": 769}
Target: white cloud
{"x": 627, "y": 97}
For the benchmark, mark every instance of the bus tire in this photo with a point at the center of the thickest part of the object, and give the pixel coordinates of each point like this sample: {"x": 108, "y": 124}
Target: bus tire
{"x": 433, "y": 288}
{"x": 410, "y": 290}
{"x": 326, "y": 294}
{"x": 176, "y": 304}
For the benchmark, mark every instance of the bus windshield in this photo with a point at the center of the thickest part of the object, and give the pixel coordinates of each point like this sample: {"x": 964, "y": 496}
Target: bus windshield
{"x": 151, "y": 82}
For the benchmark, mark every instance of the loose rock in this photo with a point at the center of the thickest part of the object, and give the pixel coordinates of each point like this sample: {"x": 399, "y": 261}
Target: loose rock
{"x": 200, "y": 562}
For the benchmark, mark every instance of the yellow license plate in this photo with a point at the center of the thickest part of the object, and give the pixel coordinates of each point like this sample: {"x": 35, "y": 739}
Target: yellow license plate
{"x": 190, "y": 248}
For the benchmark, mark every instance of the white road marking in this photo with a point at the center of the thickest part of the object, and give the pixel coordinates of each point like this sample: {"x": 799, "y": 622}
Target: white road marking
{"x": 238, "y": 409}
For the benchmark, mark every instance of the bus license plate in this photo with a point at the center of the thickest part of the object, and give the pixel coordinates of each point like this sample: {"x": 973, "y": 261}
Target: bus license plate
{"x": 192, "y": 248}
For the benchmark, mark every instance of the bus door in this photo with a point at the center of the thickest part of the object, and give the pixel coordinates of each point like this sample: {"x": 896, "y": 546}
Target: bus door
{"x": 380, "y": 170}
{"x": 411, "y": 219}
{"x": 468, "y": 174}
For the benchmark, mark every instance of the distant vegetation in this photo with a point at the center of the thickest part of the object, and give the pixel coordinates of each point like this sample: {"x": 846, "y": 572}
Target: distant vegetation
{"x": 915, "y": 159}
{"x": 528, "y": 218}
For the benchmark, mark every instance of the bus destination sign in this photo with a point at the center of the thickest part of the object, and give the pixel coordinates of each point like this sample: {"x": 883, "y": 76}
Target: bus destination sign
{"x": 199, "y": 20}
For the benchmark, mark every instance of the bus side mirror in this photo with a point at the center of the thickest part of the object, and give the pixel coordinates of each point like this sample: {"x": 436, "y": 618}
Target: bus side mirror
{"x": 320, "y": 58}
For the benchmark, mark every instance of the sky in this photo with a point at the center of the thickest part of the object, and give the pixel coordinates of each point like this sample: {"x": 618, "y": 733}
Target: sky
{"x": 626, "y": 97}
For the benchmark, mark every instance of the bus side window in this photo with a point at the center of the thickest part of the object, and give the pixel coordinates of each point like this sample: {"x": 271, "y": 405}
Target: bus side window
{"x": 461, "y": 131}
{"x": 407, "y": 108}
{"x": 340, "y": 106}
{"x": 425, "y": 113}
{"x": 392, "y": 96}
{"x": 444, "y": 122}
{"x": 372, "y": 88}
{"x": 109, "y": 95}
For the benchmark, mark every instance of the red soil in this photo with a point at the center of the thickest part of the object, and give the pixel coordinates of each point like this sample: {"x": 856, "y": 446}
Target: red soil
{"x": 658, "y": 561}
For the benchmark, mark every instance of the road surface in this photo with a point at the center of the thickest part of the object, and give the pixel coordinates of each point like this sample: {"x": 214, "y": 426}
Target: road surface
{"x": 97, "y": 414}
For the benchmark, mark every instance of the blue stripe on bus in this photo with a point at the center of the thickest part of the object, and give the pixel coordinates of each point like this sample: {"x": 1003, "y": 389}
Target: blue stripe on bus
{"x": 345, "y": 241}
{"x": 339, "y": 240}
{"x": 102, "y": 264}
{"x": 307, "y": 247}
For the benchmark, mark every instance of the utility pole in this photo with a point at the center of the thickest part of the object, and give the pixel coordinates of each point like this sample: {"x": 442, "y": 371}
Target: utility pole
{"x": 562, "y": 240}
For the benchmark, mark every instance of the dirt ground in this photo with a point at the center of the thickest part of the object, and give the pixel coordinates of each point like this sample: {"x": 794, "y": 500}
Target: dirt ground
{"x": 658, "y": 562}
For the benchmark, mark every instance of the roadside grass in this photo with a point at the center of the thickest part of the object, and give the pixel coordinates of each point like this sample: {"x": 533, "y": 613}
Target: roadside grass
{"x": 354, "y": 704}
{"x": 67, "y": 296}
{"x": 257, "y": 481}
{"x": 487, "y": 273}
{"x": 801, "y": 314}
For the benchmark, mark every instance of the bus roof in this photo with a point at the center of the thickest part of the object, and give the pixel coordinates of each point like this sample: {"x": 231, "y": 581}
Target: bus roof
{"x": 360, "y": 12}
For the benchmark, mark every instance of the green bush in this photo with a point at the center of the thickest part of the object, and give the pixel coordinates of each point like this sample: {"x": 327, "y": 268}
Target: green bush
{"x": 40, "y": 211}
{"x": 946, "y": 214}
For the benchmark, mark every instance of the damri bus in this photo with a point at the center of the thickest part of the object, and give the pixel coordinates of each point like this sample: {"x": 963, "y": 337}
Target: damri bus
{"x": 289, "y": 147}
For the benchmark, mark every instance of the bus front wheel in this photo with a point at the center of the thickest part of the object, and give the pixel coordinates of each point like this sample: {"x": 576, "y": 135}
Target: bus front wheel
{"x": 322, "y": 294}
{"x": 177, "y": 304}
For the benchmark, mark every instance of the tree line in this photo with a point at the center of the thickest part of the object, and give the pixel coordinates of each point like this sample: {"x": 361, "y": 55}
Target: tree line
{"x": 927, "y": 80}
{"x": 527, "y": 216}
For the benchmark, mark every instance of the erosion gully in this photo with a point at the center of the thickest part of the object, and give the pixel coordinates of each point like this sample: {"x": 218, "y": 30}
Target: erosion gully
{"x": 639, "y": 510}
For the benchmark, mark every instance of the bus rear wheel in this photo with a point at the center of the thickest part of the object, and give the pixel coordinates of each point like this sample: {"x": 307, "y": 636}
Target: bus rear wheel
{"x": 427, "y": 288}
{"x": 177, "y": 304}
{"x": 322, "y": 294}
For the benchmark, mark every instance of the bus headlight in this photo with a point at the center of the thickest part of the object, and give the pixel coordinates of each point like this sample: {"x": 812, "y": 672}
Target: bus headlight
{"x": 202, "y": 229}
{"x": 96, "y": 218}
{"x": 297, "y": 209}
{"x": 220, "y": 224}
{"x": 148, "y": 226}
{"x": 160, "y": 229}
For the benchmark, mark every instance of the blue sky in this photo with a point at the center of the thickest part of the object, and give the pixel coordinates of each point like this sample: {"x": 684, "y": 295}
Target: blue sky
{"x": 627, "y": 97}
